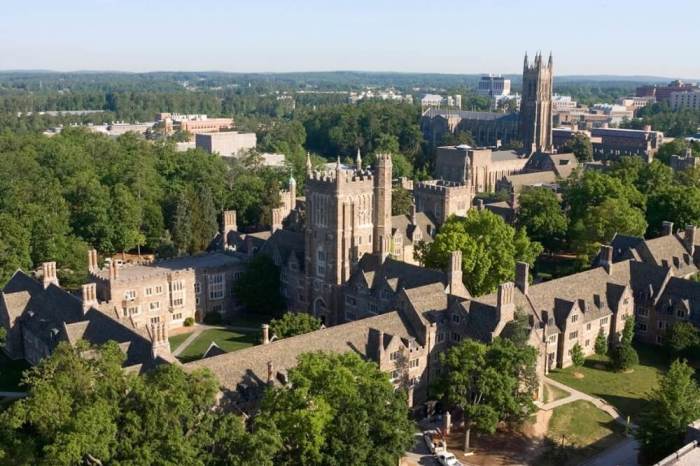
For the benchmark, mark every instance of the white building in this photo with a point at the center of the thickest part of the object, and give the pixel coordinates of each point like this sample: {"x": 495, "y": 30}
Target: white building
{"x": 688, "y": 99}
{"x": 226, "y": 143}
{"x": 563, "y": 103}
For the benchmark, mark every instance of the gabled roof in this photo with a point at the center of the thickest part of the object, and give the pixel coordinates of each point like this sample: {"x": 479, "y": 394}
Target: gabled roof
{"x": 403, "y": 224}
{"x": 400, "y": 274}
{"x": 285, "y": 243}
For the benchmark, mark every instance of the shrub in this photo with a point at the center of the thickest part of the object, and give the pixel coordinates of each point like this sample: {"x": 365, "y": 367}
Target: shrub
{"x": 577, "y": 356}
{"x": 213, "y": 318}
{"x": 292, "y": 324}
{"x": 189, "y": 322}
{"x": 601, "y": 343}
{"x": 624, "y": 357}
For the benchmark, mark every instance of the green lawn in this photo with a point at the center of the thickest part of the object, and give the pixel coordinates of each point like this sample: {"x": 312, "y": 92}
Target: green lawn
{"x": 552, "y": 393}
{"x": 578, "y": 431}
{"x": 11, "y": 373}
{"x": 625, "y": 391}
{"x": 227, "y": 340}
{"x": 177, "y": 340}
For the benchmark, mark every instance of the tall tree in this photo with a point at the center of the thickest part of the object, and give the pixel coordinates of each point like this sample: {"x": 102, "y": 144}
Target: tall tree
{"x": 339, "y": 409}
{"x": 580, "y": 145}
{"x": 541, "y": 214}
{"x": 294, "y": 323}
{"x": 490, "y": 248}
{"x": 671, "y": 406}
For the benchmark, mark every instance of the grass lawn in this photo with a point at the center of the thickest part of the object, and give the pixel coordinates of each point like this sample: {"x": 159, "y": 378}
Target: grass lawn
{"x": 625, "y": 391}
{"x": 578, "y": 431}
{"x": 552, "y": 393}
{"x": 227, "y": 340}
{"x": 549, "y": 267}
{"x": 11, "y": 373}
{"x": 177, "y": 340}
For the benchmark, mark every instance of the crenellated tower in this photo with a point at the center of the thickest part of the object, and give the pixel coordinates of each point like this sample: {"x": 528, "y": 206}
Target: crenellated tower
{"x": 536, "y": 105}
{"x": 382, "y": 205}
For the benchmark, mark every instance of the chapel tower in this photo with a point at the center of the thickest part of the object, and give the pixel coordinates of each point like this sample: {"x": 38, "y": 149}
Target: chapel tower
{"x": 536, "y": 105}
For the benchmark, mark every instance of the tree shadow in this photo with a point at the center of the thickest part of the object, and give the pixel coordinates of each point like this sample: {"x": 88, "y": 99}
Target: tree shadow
{"x": 561, "y": 452}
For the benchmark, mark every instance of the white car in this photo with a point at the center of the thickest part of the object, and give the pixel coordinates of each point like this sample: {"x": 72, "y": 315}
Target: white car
{"x": 447, "y": 459}
{"x": 428, "y": 437}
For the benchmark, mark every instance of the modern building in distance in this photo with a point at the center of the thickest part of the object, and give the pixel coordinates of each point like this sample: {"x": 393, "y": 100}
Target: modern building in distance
{"x": 685, "y": 100}
{"x": 663, "y": 93}
{"x": 613, "y": 143}
{"x": 493, "y": 87}
{"x": 437, "y": 101}
{"x": 226, "y": 143}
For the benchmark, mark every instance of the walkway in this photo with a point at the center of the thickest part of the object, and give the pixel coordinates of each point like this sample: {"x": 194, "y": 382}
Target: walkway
{"x": 199, "y": 328}
{"x": 13, "y": 394}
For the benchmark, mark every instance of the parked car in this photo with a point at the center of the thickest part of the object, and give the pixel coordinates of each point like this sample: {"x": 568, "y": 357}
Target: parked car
{"x": 447, "y": 459}
{"x": 429, "y": 438}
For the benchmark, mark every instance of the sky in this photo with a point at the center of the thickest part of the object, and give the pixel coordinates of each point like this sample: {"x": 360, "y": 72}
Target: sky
{"x": 617, "y": 37}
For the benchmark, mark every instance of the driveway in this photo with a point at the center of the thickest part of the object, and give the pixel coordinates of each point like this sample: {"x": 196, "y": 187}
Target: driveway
{"x": 418, "y": 455}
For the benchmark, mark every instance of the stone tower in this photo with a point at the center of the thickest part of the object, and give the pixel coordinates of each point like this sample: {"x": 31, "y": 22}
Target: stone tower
{"x": 346, "y": 211}
{"x": 536, "y": 105}
{"x": 382, "y": 205}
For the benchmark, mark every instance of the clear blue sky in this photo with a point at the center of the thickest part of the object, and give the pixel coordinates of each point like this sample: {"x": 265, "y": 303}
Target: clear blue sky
{"x": 451, "y": 36}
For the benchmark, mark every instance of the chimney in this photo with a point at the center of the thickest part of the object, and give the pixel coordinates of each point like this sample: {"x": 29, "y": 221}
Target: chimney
{"x": 92, "y": 260}
{"x": 505, "y": 307}
{"x": 380, "y": 347}
{"x": 522, "y": 276}
{"x": 270, "y": 372}
{"x": 689, "y": 239}
{"x": 382, "y": 249}
{"x": 666, "y": 228}
{"x": 49, "y": 269}
{"x": 159, "y": 339}
{"x": 455, "y": 285}
{"x": 89, "y": 291}
{"x": 480, "y": 204}
{"x": 413, "y": 214}
{"x": 606, "y": 257}
{"x": 265, "y": 334}
{"x": 229, "y": 225}
{"x": 647, "y": 128}
{"x": 277, "y": 216}
{"x": 113, "y": 270}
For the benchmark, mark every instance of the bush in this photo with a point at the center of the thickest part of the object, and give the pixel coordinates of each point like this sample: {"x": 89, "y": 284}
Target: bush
{"x": 213, "y": 318}
{"x": 601, "y": 343}
{"x": 577, "y": 356}
{"x": 292, "y": 324}
{"x": 624, "y": 357}
{"x": 189, "y": 322}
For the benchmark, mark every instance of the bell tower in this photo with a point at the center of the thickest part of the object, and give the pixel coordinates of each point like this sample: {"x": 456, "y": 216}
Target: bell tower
{"x": 536, "y": 105}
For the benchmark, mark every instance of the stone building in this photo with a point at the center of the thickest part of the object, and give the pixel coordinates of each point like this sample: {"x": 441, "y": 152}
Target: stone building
{"x": 478, "y": 168}
{"x": 684, "y": 162}
{"x": 38, "y": 315}
{"x": 169, "y": 290}
{"x": 487, "y": 128}
{"x": 613, "y": 143}
{"x": 226, "y": 143}
{"x": 440, "y": 199}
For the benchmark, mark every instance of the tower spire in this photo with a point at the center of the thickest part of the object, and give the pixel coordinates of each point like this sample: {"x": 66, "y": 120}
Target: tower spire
{"x": 358, "y": 160}
{"x": 337, "y": 164}
{"x": 525, "y": 64}
{"x": 309, "y": 168}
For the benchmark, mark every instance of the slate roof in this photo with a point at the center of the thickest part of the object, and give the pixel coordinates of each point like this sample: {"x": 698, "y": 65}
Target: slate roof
{"x": 468, "y": 115}
{"x": 249, "y": 366}
{"x": 205, "y": 260}
{"x": 520, "y": 180}
{"x": 397, "y": 274}
{"x": 402, "y": 224}
{"x": 284, "y": 243}
{"x": 666, "y": 251}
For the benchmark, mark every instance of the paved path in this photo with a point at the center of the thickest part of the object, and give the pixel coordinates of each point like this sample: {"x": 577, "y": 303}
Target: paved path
{"x": 620, "y": 454}
{"x": 199, "y": 328}
{"x": 13, "y": 394}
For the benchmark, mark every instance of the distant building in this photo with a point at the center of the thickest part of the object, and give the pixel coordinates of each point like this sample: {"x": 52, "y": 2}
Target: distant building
{"x": 227, "y": 143}
{"x": 663, "y": 93}
{"x": 562, "y": 103}
{"x": 479, "y": 168}
{"x": 686, "y": 99}
{"x": 685, "y": 161}
{"x": 438, "y": 101}
{"x": 613, "y": 143}
{"x": 494, "y": 87}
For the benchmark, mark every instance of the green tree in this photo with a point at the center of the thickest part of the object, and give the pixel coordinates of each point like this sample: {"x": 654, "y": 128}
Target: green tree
{"x": 489, "y": 383}
{"x": 601, "y": 343}
{"x": 541, "y": 214}
{"x": 258, "y": 288}
{"x": 292, "y": 324}
{"x": 338, "y": 409}
{"x": 14, "y": 247}
{"x": 577, "y": 356}
{"x": 580, "y": 145}
{"x": 624, "y": 356}
{"x": 401, "y": 201}
{"x": 671, "y": 406}
{"x": 680, "y": 338}
{"x": 490, "y": 249}
{"x": 674, "y": 203}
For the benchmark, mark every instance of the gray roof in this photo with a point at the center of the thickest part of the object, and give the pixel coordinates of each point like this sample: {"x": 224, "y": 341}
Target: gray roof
{"x": 403, "y": 224}
{"x": 283, "y": 244}
{"x": 395, "y": 273}
{"x": 163, "y": 267}
{"x": 468, "y": 115}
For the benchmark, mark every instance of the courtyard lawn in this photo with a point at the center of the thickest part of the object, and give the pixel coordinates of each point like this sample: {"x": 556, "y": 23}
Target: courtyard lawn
{"x": 552, "y": 393}
{"x": 227, "y": 340}
{"x": 177, "y": 340}
{"x": 624, "y": 390}
{"x": 577, "y": 431}
{"x": 11, "y": 373}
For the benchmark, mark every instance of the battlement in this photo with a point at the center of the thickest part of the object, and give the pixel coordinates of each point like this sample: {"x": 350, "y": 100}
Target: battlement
{"x": 344, "y": 175}
{"x": 440, "y": 186}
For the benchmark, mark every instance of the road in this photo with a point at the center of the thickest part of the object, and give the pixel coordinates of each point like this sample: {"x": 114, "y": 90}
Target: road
{"x": 419, "y": 454}
{"x": 621, "y": 454}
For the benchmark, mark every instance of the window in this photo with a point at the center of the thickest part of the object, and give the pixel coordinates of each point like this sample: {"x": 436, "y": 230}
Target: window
{"x": 320, "y": 269}
{"x": 573, "y": 335}
{"x": 588, "y": 327}
{"x": 604, "y": 321}
{"x": 154, "y": 306}
{"x": 552, "y": 338}
{"x": 642, "y": 327}
{"x": 440, "y": 336}
{"x": 659, "y": 340}
{"x": 455, "y": 318}
{"x": 661, "y": 324}
{"x": 148, "y": 291}
{"x": 216, "y": 286}
{"x": 394, "y": 375}
{"x": 159, "y": 289}
{"x": 177, "y": 316}
{"x": 155, "y": 320}
{"x": 196, "y": 300}
{"x": 456, "y": 337}
{"x": 574, "y": 318}
{"x": 176, "y": 286}
{"x": 237, "y": 275}
{"x": 413, "y": 363}
{"x": 395, "y": 355}
{"x": 131, "y": 311}
{"x": 178, "y": 302}
{"x": 321, "y": 256}
{"x": 197, "y": 288}
{"x": 642, "y": 311}
{"x": 130, "y": 295}
{"x": 680, "y": 313}
{"x": 588, "y": 342}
